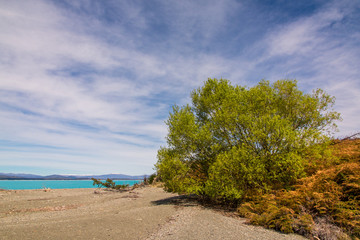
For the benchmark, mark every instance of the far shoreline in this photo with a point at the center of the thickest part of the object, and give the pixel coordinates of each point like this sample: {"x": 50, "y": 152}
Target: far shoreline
{"x": 82, "y": 179}
{"x": 40, "y": 184}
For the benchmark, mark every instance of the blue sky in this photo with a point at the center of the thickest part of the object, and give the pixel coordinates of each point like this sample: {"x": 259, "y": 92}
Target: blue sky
{"x": 85, "y": 86}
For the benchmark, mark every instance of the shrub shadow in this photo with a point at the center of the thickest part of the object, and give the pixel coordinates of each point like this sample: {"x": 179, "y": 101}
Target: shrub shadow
{"x": 181, "y": 200}
{"x": 194, "y": 200}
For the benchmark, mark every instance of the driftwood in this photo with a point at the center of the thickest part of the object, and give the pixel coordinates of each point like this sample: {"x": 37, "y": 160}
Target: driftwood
{"x": 356, "y": 135}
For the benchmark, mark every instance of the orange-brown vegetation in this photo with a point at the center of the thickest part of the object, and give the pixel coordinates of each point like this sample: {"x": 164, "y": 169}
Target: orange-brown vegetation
{"x": 324, "y": 205}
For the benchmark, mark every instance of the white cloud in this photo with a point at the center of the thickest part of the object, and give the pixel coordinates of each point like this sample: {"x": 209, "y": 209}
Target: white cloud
{"x": 42, "y": 49}
{"x": 39, "y": 45}
{"x": 304, "y": 35}
{"x": 101, "y": 91}
{"x": 311, "y": 50}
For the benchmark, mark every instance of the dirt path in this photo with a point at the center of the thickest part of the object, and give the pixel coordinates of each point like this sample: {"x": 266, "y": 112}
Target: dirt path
{"x": 147, "y": 213}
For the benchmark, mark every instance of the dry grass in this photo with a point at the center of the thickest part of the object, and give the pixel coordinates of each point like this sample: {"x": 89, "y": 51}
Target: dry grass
{"x": 325, "y": 205}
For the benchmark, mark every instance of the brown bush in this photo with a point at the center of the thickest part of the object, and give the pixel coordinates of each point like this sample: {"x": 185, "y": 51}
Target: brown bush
{"x": 325, "y": 205}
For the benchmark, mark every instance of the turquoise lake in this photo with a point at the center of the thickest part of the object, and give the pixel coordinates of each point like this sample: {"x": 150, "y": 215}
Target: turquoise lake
{"x": 54, "y": 184}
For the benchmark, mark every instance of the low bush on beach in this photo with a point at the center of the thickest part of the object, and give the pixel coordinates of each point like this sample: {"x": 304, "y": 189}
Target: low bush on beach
{"x": 109, "y": 184}
{"x": 152, "y": 178}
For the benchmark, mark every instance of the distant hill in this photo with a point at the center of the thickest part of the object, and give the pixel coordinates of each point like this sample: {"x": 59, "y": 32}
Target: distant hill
{"x": 18, "y": 175}
{"x": 23, "y": 176}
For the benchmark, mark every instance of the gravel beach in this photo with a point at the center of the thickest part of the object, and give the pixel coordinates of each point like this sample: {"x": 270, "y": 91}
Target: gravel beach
{"x": 144, "y": 213}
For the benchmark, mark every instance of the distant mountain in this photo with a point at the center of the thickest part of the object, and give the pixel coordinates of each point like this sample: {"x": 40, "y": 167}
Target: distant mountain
{"x": 20, "y": 175}
{"x": 119, "y": 176}
{"x": 59, "y": 177}
{"x": 23, "y": 176}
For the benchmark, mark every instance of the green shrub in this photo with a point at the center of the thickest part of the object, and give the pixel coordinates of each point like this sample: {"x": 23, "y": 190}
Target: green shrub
{"x": 233, "y": 141}
{"x": 109, "y": 184}
{"x": 152, "y": 178}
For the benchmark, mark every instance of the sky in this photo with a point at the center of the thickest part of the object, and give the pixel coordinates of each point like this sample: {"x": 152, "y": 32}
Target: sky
{"x": 86, "y": 85}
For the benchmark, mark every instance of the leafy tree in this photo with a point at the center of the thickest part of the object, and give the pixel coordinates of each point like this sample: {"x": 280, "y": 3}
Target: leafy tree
{"x": 233, "y": 141}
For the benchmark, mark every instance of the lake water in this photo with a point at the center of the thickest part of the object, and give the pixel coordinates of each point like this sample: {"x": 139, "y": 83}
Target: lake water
{"x": 54, "y": 184}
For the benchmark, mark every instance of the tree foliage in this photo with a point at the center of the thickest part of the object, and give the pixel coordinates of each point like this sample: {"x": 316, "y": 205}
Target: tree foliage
{"x": 233, "y": 141}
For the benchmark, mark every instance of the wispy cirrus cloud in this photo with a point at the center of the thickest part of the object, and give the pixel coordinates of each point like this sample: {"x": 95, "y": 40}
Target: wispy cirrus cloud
{"x": 85, "y": 86}
{"x": 65, "y": 87}
{"x": 320, "y": 51}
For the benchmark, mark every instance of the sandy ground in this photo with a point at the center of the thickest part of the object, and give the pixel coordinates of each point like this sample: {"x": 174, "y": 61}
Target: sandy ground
{"x": 146, "y": 213}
